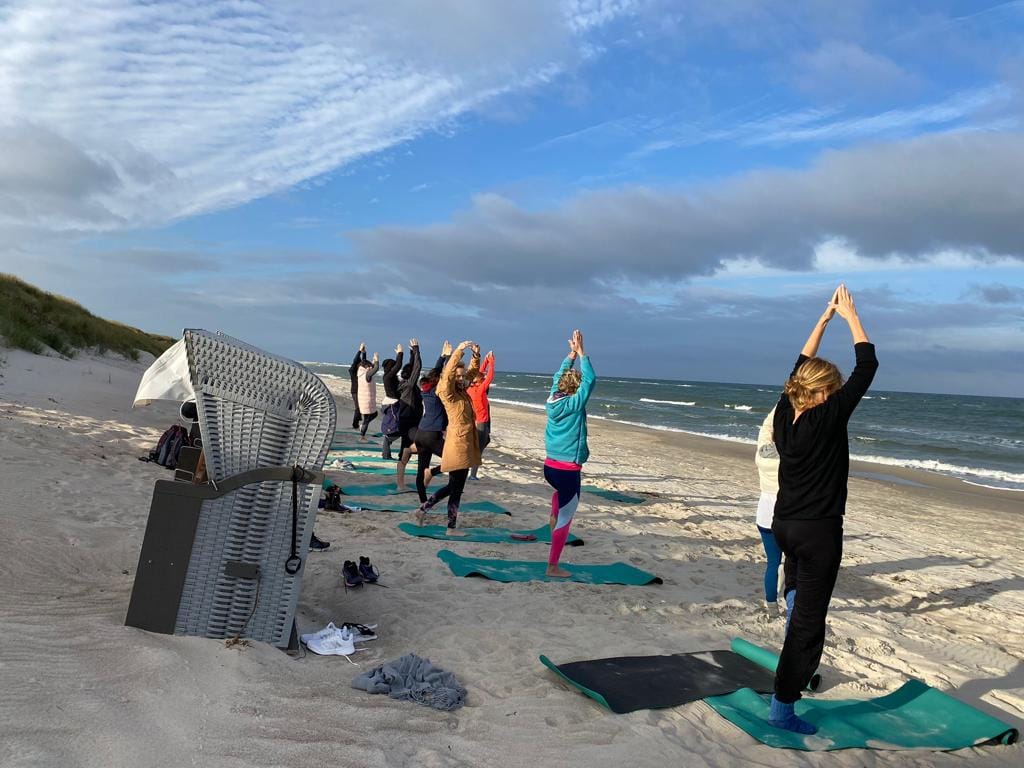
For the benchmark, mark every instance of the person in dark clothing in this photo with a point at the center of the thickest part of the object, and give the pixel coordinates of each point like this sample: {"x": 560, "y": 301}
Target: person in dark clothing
{"x": 814, "y": 463}
{"x": 429, "y": 434}
{"x": 353, "y": 373}
{"x": 410, "y": 409}
{"x": 389, "y": 406}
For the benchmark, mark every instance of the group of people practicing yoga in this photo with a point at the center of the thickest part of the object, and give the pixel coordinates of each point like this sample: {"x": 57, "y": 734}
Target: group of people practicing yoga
{"x": 802, "y": 458}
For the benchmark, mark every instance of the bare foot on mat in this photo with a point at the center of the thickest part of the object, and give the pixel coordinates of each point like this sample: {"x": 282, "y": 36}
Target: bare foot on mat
{"x": 555, "y": 572}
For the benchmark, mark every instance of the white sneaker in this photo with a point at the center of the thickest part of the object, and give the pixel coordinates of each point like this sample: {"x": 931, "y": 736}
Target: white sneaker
{"x": 330, "y": 629}
{"x": 338, "y": 643}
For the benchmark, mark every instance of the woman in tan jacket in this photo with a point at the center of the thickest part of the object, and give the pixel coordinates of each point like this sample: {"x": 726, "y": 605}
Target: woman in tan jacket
{"x": 461, "y": 443}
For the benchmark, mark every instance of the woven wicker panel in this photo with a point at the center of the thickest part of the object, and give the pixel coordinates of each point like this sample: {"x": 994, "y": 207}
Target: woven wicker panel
{"x": 255, "y": 410}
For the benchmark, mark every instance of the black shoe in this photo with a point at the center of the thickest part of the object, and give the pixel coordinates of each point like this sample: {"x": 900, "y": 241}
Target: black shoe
{"x": 316, "y": 545}
{"x": 367, "y": 571}
{"x": 350, "y": 575}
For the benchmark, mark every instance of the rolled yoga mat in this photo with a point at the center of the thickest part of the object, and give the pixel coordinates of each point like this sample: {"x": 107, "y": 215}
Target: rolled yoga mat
{"x": 487, "y": 535}
{"x": 766, "y": 659}
{"x": 629, "y": 683}
{"x": 619, "y": 496}
{"x": 914, "y": 717}
{"x": 518, "y": 570}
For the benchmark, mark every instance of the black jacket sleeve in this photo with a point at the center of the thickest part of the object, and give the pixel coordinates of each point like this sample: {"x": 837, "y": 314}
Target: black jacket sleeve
{"x": 857, "y": 385}
{"x": 358, "y": 360}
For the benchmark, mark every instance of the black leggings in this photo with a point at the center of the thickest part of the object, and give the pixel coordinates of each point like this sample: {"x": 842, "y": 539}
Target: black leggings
{"x": 813, "y": 550}
{"x": 428, "y": 445}
{"x": 483, "y": 433}
{"x": 453, "y": 492}
{"x": 356, "y": 416}
{"x": 367, "y": 418}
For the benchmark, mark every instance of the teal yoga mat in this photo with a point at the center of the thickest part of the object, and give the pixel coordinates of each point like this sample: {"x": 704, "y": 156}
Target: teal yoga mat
{"x": 914, "y": 717}
{"x": 379, "y": 489}
{"x": 606, "y": 493}
{"x": 483, "y": 507}
{"x": 489, "y": 535}
{"x": 366, "y": 469}
{"x": 518, "y": 570}
{"x": 359, "y": 458}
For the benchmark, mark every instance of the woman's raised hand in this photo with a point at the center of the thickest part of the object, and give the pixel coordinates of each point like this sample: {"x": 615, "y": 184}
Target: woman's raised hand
{"x": 844, "y": 303}
{"x": 462, "y": 346}
{"x": 577, "y": 341}
{"x": 362, "y": 346}
{"x": 446, "y": 348}
{"x": 476, "y": 350}
{"x": 398, "y": 349}
{"x": 413, "y": 343}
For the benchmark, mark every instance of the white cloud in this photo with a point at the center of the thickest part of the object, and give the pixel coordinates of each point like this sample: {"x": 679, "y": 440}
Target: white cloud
{"x": 124, "y": 114}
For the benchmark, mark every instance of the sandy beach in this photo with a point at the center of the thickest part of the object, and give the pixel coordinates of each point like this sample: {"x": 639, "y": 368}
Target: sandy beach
{"x": 931, "y": 587}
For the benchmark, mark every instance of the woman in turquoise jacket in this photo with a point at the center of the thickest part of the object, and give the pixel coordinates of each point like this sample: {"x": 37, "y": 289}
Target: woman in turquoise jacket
{"x": 565, "y": 441}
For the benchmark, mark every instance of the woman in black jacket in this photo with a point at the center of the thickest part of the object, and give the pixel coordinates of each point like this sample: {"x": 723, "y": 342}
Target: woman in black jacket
{"x": 814, "y": 463}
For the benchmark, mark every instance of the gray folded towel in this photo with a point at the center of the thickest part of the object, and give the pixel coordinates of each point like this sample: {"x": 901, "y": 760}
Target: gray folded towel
{"x": 412, "y": 678}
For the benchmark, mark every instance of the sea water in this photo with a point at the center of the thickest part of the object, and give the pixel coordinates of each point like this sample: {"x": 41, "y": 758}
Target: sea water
{"x": 979, "y": 440}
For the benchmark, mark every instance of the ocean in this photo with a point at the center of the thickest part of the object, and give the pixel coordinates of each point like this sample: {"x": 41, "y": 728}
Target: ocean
{"x": 979, "y": 440}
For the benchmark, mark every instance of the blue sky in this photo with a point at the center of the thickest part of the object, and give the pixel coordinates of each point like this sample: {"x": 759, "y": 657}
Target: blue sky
{"x": 685, "y": 181}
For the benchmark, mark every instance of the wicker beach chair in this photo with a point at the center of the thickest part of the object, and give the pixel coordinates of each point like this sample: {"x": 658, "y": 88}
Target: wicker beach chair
{"x": 226, "y": 559}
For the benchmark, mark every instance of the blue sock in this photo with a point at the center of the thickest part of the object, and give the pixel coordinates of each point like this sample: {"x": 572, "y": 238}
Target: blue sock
{"x": 790, "y": 602}
{"x": 783, "y": 716}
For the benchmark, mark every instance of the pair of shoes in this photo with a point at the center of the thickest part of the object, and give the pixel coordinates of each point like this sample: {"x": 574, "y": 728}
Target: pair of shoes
{"x": 355, "y": 575}
{"x": 317, "y": 545}
{"x": 331, "y": 641}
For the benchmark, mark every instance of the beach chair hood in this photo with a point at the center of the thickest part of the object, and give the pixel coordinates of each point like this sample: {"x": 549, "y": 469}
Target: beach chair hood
{"x": 167, "y": 378}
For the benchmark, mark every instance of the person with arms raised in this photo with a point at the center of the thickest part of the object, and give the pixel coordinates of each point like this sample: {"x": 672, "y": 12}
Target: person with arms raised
{"x": 461, "y": 443}
{"x": 814, "y": 463}
{"x": 565, "y": 442}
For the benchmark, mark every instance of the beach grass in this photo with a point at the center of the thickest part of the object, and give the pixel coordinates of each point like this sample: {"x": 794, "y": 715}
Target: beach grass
{"x": 35, "y": 320}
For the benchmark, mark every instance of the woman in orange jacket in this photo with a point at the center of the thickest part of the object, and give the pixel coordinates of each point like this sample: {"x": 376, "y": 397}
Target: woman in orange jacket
{"x": 478, "y": 391}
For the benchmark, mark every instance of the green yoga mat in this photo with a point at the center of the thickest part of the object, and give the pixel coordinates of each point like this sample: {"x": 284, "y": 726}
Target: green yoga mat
{"x": 484, "y": 507}
{"x": 766, "y": 659}
{"x": 606, "y": 493}
{"x": 914, "y": 717}
{"x": 366, "y": 469}
{"x": 489, "y": 535}
{"x": 359, "y": 458}
{"x": 518, "y": 570}
{"x": 380, "y": 489}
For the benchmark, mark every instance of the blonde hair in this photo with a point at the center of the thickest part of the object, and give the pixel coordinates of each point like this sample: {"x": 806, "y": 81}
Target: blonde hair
{"x": 810, "y": 380}
{"x": 569, "y": 382}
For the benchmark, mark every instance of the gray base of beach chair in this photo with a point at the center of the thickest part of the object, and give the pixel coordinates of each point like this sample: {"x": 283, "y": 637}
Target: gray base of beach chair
{"x": 213, "y": 560}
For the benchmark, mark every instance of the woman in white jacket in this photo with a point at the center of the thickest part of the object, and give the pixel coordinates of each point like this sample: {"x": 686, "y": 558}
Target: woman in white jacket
{"x": 767, "y": 461}
{"x": 367, "y": 394}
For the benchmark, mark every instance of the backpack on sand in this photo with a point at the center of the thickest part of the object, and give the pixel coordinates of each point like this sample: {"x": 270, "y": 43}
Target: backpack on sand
{"x": 168, "y": 447}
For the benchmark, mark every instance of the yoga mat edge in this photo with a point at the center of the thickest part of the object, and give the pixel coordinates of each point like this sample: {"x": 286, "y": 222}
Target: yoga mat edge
{"x": 573, "y": 684}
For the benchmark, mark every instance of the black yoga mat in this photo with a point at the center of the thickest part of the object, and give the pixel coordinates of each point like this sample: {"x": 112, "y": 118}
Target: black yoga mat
{"x": 630, "y": 683}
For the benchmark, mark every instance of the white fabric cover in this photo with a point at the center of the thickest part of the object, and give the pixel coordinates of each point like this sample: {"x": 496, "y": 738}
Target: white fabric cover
{"x": 167, "y": 378}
